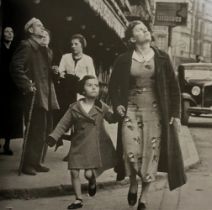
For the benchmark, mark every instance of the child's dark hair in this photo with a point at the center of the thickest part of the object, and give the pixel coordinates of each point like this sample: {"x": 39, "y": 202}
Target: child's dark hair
{"x": 82, "y": 82}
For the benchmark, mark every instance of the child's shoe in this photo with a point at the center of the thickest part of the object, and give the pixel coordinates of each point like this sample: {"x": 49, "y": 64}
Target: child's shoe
{"x": 92, "y": 187}
{"x": 78, "y": 203}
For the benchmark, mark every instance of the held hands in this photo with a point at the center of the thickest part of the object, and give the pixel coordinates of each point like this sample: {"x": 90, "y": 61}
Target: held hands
{"x": 177, "y": 122}
{"x": 121, "y": 110}
{"x": 50, "y": 141}
{"x": 32, "y": 89}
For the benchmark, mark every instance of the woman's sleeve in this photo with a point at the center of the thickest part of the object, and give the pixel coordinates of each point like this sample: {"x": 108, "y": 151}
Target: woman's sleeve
{"x": 114, "y": 84}
{"x": 175, "y": 97}
{"x": 62, "y": 68}
{"x": 91, "y": 69}
{"x": 64, "y": 124}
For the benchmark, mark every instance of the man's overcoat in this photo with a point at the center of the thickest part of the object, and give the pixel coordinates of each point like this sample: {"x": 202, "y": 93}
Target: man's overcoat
{"x": 31, "y": 63}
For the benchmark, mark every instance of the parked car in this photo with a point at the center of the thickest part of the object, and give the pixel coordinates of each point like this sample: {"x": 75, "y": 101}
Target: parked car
{"x": 196, "y": 89}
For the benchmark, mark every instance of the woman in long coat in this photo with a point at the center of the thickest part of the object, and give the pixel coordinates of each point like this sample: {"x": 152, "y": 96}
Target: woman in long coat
{"x": 147, "y": 99}
{"x": 10, "y": 104}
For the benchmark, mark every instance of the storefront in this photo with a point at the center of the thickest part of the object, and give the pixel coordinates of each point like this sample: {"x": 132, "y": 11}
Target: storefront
{"x": 102, "y": 22}
{"x": 102, "y": 26}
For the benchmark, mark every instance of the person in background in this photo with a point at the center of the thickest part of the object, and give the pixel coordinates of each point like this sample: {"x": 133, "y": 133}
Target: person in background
{"x": 91, "y": 148}
{"x": 31, "y": 71}
{"x": 11, "y": 110}
{"x": 46, "y": 39}
{"x": 147, "y": 100}
{"x": 73, "y": 67}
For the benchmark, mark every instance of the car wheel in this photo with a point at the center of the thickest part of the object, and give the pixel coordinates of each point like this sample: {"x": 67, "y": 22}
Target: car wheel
{"x": 185, "y": 113}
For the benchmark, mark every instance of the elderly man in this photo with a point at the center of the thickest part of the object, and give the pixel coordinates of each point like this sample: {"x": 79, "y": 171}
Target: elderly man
{"x": 31, "y": 70}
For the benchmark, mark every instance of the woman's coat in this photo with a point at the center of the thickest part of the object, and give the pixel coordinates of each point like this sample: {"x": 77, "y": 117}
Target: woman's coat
{"x": 168, "y": 92}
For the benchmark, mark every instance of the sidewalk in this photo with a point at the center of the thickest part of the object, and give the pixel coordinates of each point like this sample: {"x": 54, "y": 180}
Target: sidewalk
{"x": 57, "y": 181}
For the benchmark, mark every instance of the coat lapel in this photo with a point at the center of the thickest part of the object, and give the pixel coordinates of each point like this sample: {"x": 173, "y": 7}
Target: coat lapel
{"x": 95, "y": 110}
{"x": 34, "y": 44}
{"x": 160, "y": 60}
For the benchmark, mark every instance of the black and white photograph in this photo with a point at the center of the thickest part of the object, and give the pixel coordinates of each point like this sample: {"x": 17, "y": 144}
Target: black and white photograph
{"x": 106, "y": 104}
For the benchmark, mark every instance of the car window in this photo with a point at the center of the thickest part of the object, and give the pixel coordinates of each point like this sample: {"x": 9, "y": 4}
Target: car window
{"x": 199, "y": 74}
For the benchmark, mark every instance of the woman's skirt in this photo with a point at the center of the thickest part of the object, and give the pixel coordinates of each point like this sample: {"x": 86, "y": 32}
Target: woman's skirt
{"x": 141, "y": 134}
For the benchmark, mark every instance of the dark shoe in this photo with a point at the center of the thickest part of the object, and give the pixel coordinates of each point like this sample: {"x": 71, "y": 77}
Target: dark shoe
{"x": 40, "y": 168}
{"x": 8, "y": 151}
{"x": 76, "y": 205}
{"x": 132, "y": 198}
{"x": 141, "y": 206}
{"x": 92, "y": 188}
{"x": 29, "y": 171}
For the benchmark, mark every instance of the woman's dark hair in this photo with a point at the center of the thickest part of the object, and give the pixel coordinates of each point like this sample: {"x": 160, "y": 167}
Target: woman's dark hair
{"x": 129, "y": 32}
{"x": 3, "y": 29}
{"x": 82, "y": 82}
{"x": 130, "y": 27}
{"x": 81, "y": 39}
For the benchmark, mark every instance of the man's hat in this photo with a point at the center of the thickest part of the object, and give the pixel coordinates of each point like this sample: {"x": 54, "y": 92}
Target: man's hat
{"x": 29, "y": 23}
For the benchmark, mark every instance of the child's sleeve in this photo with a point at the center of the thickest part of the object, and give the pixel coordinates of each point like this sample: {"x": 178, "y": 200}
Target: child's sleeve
{"x": 109, "y": 116}
{"x": 63, "y": 125}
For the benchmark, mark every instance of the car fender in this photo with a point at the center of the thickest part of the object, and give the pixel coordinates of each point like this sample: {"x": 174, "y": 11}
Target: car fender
{"x": 188, "y": 97}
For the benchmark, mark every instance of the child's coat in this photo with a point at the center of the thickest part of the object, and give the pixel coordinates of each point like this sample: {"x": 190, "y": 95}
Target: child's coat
{"x": 91, "y": 146}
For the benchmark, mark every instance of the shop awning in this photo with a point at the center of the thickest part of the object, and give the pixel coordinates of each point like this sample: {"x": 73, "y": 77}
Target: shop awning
{"x": 114, "y": 18}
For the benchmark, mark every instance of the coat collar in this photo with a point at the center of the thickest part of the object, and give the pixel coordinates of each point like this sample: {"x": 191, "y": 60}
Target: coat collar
{"x": 158, "y": 54}
{"x": 95, "y": 110}
{"x": 160, "y": 58}
{"x": 34, "y": 44}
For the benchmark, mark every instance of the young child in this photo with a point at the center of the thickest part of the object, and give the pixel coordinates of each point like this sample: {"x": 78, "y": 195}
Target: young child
{"x": 91, "y": 147}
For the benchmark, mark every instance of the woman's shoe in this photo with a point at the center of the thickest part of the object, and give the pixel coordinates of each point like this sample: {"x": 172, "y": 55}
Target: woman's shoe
{"x": 76, "y": 205}
{"x": 132, "y": 198}
{"x": 91, "y": 188}
{"x": 141, "y": 206}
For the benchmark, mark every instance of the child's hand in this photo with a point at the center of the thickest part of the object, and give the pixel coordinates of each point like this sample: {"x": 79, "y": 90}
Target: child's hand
{"x": 50, "y": 141}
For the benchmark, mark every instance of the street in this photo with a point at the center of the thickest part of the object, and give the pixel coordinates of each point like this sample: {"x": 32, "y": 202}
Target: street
{"x": 195, "y": 195}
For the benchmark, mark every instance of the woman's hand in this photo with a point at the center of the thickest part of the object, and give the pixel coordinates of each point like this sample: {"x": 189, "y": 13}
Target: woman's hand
{"x": 121, "y": 110}
{"x": 176, "y": 121}
{"x": 55, "y": 69}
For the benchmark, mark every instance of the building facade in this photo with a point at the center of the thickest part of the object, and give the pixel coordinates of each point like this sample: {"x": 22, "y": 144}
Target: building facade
{"x": 192, "y": 39}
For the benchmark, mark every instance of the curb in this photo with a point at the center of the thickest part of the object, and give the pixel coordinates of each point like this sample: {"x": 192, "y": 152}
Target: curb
{"x": 62, "y": 190}
{"x": 190, "y": 155}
